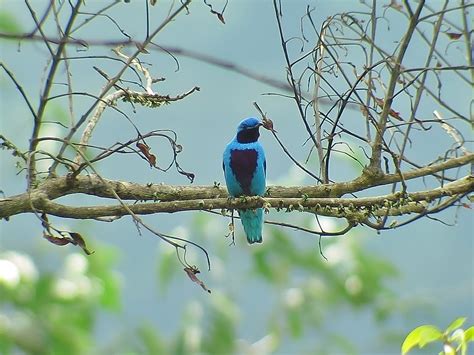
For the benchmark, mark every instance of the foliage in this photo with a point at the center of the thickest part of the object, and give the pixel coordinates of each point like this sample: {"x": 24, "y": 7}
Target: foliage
{"x": 304, "y": 291}
{"x": 454, "y": 340}
{"x": 59, "y": 308}
{"x": 8, "y": 23}
{"x": 54, "y": 311}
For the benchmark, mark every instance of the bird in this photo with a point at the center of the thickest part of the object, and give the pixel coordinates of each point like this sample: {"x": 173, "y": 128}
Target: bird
{"x": 245, "y": 171}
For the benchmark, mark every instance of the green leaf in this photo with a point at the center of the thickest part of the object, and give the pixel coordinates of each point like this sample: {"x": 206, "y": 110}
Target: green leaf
{"x": 455, "y": 325}
{"x": 150, "y": 339}
{"x": 57, "y": 113}
{"x": 262, "y": 266}
{"x": 429, "y": 335}
{"x": 295, "y": 323}
{"x": 469, "y": 334}
{"x": 99, "y": 267}
{"x": 420, "y": 336}
{"x": 8, "y": 23}
{"x": 110, "y": 297}
{"x": 220, "y": 335}
{"x": 167, "y": 268}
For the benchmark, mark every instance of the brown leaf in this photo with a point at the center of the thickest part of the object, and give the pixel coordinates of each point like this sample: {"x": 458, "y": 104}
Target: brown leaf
{"x": 363, "y": 110}
{"x": 56, "y": 240}
{"x": 145, "y": 149}
{"x": 453, "y": 35}
{"x": 219, "y": 16}
{"x": 152, "y": 159}
{"x": 189, "y": 175}
{"x": 79, "y": 241}
{"x": 268, "y": 124}
{"x": 392, "y": 112}
{"x": 192, "y": 271}
{"x": 395, "y": 114}
{"x": 395, "y": 5}
{"x": 45, "y": 222}
{"x": 379, "y": 102}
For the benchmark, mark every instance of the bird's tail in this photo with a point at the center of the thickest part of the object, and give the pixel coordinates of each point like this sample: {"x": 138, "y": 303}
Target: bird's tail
{"x": 252, "y": 220}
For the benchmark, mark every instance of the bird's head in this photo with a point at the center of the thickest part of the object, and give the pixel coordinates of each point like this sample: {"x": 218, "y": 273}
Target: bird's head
{"x": 247, "y": 131}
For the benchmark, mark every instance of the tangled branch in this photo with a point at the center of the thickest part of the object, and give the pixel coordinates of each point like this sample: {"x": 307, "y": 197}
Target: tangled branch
{"x": 374, "y": 104}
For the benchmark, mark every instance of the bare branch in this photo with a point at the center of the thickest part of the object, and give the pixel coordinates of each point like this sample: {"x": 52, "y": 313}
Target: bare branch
{"x": 374, "y": 167}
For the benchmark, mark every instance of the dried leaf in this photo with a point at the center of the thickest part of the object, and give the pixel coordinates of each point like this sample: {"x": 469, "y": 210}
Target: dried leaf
{"x": 79, "y": 241}
{"x": 392, "y": 112}
{"x": 192, "y": 271}
{"x": 268, "y": 124}
{"x": 145, "y": 149}
{"x": 190, "y": 176}
{"x": 395, "y": 114}
{"x": 152, "y": 159}
{"x": 395, "y": 5}
{"x": 219, "y": 16}
{"x": 45, "y": 222}
{"x": 363, "y": 110}
{"x": 453, "y": 35}
{"x": 73, "y": 238}
{"x": 379, "y": 102}
{"x": 56, "y": 240}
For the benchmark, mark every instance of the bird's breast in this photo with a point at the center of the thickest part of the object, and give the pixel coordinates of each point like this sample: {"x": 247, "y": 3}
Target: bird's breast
{"x": 243, "y": 163}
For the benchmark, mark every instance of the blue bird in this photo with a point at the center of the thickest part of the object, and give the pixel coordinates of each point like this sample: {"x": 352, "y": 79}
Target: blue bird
{"x": 245, "y": 168}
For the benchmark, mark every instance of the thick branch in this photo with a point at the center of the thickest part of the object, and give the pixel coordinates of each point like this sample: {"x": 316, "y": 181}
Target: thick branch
{"x": 184, "y": 198}
{"x": 352, "y": 208}
{"x": 56, "y": 187}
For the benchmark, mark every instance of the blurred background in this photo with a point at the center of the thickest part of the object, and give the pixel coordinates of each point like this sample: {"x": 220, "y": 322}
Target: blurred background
{"x": 131, "y": 295}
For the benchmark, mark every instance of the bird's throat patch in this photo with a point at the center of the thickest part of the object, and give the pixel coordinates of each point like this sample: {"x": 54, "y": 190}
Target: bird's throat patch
{"x": 249, "y": 135}
{"x": 243, "y": 163}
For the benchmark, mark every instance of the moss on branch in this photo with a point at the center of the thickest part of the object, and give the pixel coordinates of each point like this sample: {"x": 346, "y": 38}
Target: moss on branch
{"x": 215, "y": 198}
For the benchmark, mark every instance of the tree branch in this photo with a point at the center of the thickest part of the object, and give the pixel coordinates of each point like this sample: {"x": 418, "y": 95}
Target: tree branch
{"x": 374, "y": 167}
{"x": 357, "y": 209}
{"x": 55, "y": 187}
{"x": 184, "y": 198}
